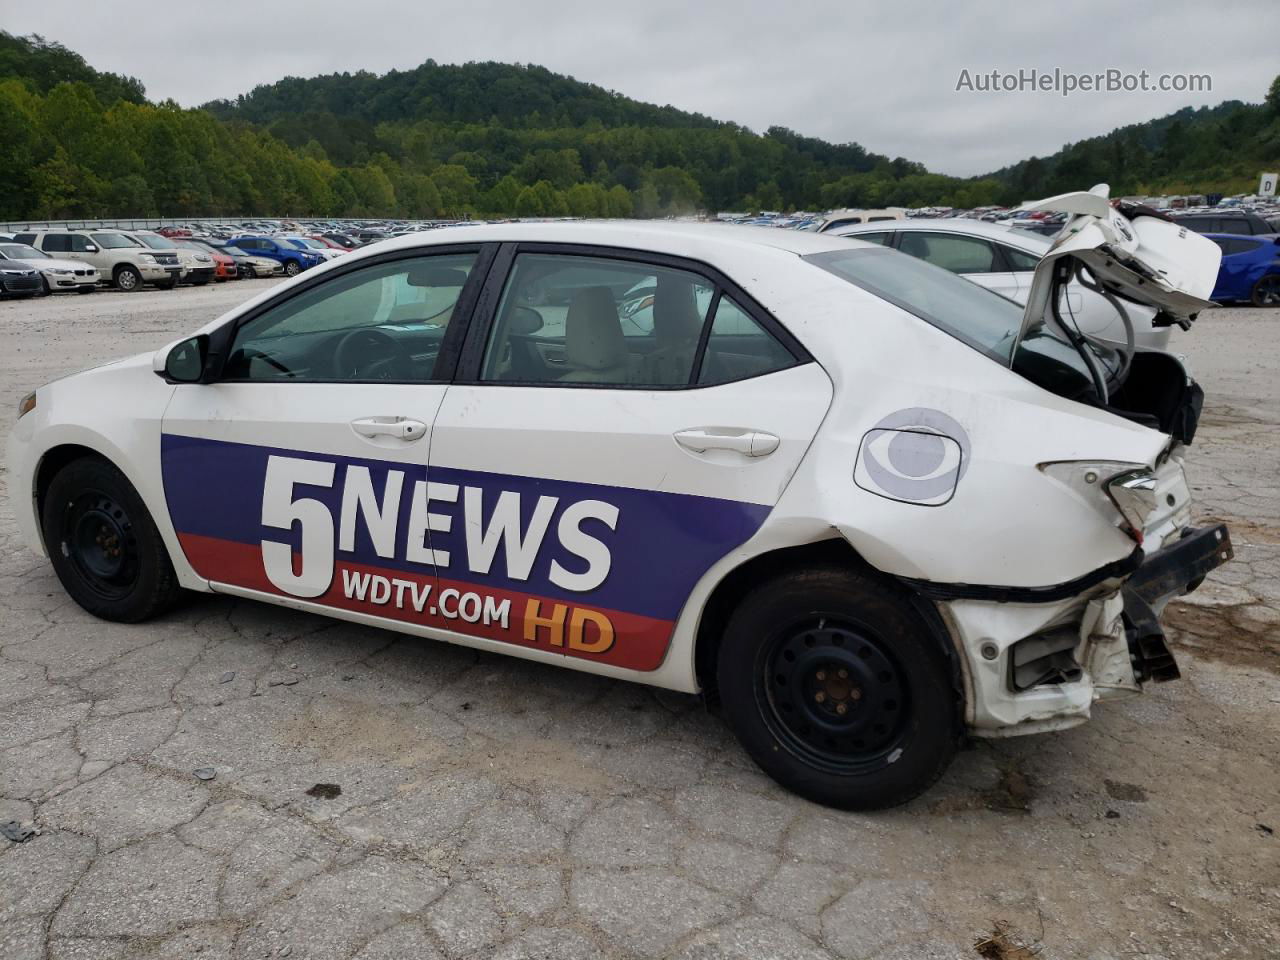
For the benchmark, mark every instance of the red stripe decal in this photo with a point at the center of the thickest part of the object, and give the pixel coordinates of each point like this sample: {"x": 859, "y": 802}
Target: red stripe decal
{"x": 523, "y": 619}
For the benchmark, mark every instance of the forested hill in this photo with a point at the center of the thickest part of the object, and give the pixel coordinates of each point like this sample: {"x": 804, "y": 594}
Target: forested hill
{"x": 485, "y": 139}
{"x": 1193, "y": 150}
{"x": 497, "y": 120}
{"x": 491, "y": 139}
{"x": 44, "y": 65}
{"x": 520, "y": 96}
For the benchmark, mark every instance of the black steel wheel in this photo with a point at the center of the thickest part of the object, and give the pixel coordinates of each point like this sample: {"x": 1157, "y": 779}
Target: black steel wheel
{"x": 103, "y": 544}
{"x": 839, "y": 688}
{"x": 833, "y": 695}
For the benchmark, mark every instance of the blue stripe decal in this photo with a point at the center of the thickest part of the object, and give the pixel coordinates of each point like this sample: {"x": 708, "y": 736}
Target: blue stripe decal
{"x": 661, "y": 545}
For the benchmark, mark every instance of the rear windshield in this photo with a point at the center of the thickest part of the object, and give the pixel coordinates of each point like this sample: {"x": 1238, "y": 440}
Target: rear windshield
{"x": 984, "y": 320}
{"x": 157, "y": 242}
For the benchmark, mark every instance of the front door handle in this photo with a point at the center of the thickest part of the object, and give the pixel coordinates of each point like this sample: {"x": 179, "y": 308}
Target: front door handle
{"x": 401, "y": 428}
{"x": 749, "y": 443}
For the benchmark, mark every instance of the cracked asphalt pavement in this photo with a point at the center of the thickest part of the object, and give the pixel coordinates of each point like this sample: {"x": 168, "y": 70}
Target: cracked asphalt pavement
{"x": 364, "y": 795}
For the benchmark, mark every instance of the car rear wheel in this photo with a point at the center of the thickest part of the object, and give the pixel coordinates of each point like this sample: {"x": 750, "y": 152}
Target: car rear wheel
{"x": 103, "y": 544}
{"x": 839, "y": 689}
{"x": 128, "y": 279}
{"x": 292, "y": 269}
{"x": 1266, "y": 292}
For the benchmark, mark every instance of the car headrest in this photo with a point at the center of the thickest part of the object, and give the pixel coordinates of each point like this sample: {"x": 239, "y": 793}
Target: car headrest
{"x": 592, "y": 331}
{"x": 675, "y": 310}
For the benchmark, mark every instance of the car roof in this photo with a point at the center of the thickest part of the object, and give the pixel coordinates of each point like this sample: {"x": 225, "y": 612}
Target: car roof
{"x": 975, "y": 228}
{"x": 673, "y": 237}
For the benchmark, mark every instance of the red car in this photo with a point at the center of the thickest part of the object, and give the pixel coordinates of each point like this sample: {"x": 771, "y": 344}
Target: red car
{"x": 224, "y": 267}
{"x": 173, "y": 232}
{"x": 332, "y": 244}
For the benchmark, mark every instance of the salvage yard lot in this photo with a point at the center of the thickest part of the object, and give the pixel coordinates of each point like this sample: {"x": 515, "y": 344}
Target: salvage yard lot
{"x": 383, "y": 797}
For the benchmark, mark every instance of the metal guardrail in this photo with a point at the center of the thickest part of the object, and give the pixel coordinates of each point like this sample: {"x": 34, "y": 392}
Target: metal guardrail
{"x": 134, "y": 223}
{"x": 152, "y": 223}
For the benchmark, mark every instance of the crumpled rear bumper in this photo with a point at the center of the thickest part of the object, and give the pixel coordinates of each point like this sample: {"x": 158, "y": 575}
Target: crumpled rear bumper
{"x": 1103, "y": 641}
{"x": 1172, "y": 571}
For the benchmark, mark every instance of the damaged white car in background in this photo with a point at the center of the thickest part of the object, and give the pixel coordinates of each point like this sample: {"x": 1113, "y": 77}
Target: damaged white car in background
{"x": 864, "y": 505}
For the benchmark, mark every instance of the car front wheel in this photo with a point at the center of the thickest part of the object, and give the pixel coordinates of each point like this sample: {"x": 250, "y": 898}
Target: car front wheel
{"x": 838, "y": 688}
{"x": 1266, "y": 292}
{"x": 292, "y": 269}
{"x": 128, "y": 279}
{"x": 103, "y": 544}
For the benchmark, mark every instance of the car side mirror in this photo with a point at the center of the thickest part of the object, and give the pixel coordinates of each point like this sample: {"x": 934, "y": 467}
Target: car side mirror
{"x": 185, "y": 361}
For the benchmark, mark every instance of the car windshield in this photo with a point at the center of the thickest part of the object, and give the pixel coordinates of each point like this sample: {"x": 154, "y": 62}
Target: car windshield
{"x": 157, "y": 242}
{"x": 114, "y": 241}
{"x": 20, "y": 251}
{"x": 984, "y": 320}
{"x": 313, "y": 244}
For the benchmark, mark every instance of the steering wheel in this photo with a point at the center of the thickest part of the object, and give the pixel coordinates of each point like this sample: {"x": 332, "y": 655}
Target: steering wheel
{"x": 371, "y": 354}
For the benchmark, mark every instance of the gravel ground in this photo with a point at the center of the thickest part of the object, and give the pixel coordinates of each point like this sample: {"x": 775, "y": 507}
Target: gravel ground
{"x": 384, "y": 797}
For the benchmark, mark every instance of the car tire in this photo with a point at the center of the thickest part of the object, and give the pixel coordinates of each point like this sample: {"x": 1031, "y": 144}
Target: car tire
{"x": 127, "y": 278}
{"x": 839, "y": 689}
{"x": 292, "y": 268}
{"x": 103, "y": 544}
{"x": 1266, "y": 292}
{"x": 45, "y": 289}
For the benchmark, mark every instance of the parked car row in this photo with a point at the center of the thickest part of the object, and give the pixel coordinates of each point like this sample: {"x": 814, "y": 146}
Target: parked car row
{"x": 41, "y": 262}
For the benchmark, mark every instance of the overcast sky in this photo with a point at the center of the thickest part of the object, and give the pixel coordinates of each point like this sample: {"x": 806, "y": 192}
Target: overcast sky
{"x": 883, "y": 74}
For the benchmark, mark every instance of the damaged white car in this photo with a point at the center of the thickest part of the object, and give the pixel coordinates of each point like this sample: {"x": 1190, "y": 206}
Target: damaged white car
{"x": 864, "y": 505}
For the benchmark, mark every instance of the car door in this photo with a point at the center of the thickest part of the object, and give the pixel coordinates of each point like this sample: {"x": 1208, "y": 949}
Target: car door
{"x": 1239, "y": 264}
{"x": 594, "y": 470}
{"x": 299, "y": 470}
{"x": 974, "y": 258}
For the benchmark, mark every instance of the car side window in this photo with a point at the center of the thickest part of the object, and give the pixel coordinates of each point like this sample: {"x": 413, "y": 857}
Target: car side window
{"x": 950, "y": 251}
{"x": 57, "y": 243}
{"x": 78, "y": 243}
{"x": 880, "y": 238}
{"x": 381, "y": 322}
{"x": 738, "y": 347}
{"x": 1019, "y": 260}
{"x": 1230, "y": 246}
{"x": 592, "y": 320}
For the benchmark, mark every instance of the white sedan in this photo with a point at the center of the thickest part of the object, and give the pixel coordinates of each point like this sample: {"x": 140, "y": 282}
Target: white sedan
{"x": 57, "y": 275}
{"x": 867, "y": 505}
{"x": 1004, "y": 260}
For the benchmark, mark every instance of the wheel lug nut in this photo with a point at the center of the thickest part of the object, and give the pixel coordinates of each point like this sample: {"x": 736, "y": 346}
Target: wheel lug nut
{"x": 855, "y": 694}
{"x": 822, "y": 674}
{"x": 841, "y": 709}
{"x": 843, "y": 674}
{"x": 820, "y": 696}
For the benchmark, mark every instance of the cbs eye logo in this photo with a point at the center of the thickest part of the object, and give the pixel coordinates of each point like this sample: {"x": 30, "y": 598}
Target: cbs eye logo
{"x": 916, "y": 455}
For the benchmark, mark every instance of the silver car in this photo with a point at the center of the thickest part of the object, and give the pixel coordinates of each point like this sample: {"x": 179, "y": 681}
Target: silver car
{"x": 1004, "y": 260}
{"x": 57, "y": 275}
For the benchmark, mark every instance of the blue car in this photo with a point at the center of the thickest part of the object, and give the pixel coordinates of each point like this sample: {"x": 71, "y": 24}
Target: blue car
{"x": 293, "y": 259}
{"x": 1250, "y": 269}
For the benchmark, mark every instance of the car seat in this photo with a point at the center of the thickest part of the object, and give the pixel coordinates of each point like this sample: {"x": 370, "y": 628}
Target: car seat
{"x": 595, "y": 349}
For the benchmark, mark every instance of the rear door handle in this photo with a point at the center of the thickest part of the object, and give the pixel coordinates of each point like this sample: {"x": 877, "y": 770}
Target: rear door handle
{"x": 401, "y": 428}
{"x": 749, "y": 443}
